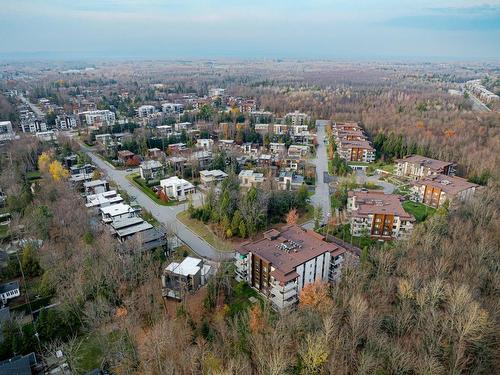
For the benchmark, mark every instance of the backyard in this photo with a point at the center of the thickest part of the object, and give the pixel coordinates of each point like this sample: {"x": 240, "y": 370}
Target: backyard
{"x": 418, "y": 210}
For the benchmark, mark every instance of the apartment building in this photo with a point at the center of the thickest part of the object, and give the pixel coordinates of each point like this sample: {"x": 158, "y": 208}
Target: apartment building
{"x": 356, "y": 151}
{"x": 98, "y": 117}
{"x": 65, "y": 122}
{"x": 297, "y": 118}
{"x": 416, "y": 167}
{"x": 177, "y": 188}
{"x": 378, "y": 215}
{"x": 435, "y": 190}
{"x": 172, "y": 108}
{"x": 249, "y": 178}
{"x": 284, "y": 261}
{"x": 145, "y": 110}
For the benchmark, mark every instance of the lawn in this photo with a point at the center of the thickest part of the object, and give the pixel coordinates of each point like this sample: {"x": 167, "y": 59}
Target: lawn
{"x": 240, "y": 298}
{"x": 419, "y": 210}
{"x": 95, "y": 347}
{"x": 137, "y": 181}
{"x": 203, "y": 231}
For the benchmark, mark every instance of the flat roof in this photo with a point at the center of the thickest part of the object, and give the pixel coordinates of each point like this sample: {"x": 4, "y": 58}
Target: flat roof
{"x": 134, "y": 229}
{"x": 94, "y": 183}
{"x": 189, "y": 266}
{"x": 116, "y": 209}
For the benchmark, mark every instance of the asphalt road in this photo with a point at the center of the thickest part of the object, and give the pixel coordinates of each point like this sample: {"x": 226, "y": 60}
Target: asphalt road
{"x": 166, "y": 215}
{"x": 321, "y": 195}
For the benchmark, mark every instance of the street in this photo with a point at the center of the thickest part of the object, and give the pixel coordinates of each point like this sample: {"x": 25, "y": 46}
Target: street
{"x": 321, "y": 195}
{"x": 166, "y": 215}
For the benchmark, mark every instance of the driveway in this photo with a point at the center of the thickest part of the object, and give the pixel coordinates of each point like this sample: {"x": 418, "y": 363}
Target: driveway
{"x": 321, "y": 195}
{"x": 166, "y": 215}
{"x": 361, "y": 178}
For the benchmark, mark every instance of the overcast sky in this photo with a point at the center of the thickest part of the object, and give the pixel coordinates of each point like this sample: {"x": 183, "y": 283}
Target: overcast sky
{"x": 417, "y": 29}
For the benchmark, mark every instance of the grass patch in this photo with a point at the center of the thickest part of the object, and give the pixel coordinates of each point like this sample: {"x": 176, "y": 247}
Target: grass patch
{"x": 33, "y": 176}
{"x": 240, "y": 298}
{"x": 96, "y": 346}
{"x": 204, "y": 232}
{"x": 306, "y": 216}
{"x": 419, "y": 210}
{"x": 137, "y": 181}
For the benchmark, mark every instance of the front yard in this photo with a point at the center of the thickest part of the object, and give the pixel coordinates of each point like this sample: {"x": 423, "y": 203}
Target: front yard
{"x": 140, "y": 184}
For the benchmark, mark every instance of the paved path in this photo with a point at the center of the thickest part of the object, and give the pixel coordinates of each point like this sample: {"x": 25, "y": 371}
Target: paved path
{"x": 321, "y": 195}
{"x": 361, "y": 178}
{"x": 164, "y": 214}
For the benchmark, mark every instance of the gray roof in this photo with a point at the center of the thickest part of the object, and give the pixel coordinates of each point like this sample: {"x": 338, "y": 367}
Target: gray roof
{"x": 19, "y": 365}
{"x": 7, "y": 287}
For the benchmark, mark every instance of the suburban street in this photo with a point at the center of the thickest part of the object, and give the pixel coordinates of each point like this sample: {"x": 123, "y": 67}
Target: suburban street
{"x": 321, "y": 195}
{"x": 166, "y": 215}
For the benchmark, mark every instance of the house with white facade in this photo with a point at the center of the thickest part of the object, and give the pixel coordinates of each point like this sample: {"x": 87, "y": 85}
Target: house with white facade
{"x": 284, "y": 261}
{"x": 98, "y": 117}
{"x": 103, "y": 199}
{"x": 297, "y": 118}
{"x": 188, "y": 276}
{"x": 205, "y": 144}
{"x": 277, "y": 147}
{"x": 117, "y": 211}
{"x": 177, "y": 188}
{"x": 9, "y": 291}
{"x": 6, "y": 132}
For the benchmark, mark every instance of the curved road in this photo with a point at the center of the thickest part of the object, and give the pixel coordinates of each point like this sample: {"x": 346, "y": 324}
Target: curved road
{"x": 164, "y": 214}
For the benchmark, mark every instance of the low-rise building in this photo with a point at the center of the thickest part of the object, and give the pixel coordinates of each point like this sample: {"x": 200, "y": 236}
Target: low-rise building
{"x": 188, "y": 276}
{"x": 288, "y": 180}
{"x": 249, "y": 178}
{"x": 277, "y": 147}
{"x": 215, "y": 176}
{"x": 9, "y": 291}
{"x": 125, "y": 156}
{"x": 145, "y": 110}
{"x": 378, "y": 215}
{"x": 172, "y": 108}
{"x": 65, "y": 122}
{"x": 118, "y": 211}
{"x": 6, "y": 132}
{"x": 155, "y": 154}
{"x": 103, "y": 199}
{"x": 416, "y": 167}
{"x": 205, "y": 144}
{"x": 151, "y": 170}
{"x": 297, "y": 118}
{"x": 435, "y": 190}
{"x": 98, "y": 117}
{"x": 298, "y": 150}
{"x": 95, "y": 187}
{"x": 262, "y": 129}
{"x": 177, "y": 188}
{"x": 284, "y": 261}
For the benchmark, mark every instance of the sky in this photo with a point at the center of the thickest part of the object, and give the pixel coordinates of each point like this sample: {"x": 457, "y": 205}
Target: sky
{"x": 252, "y": 29}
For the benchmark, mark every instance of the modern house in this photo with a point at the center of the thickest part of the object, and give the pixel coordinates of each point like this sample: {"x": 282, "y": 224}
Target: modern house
{"x": 95, "y": 187}
{"x": 177, "y": 188}
{"x": 436, "y": 189}
{"x": 249, "y": 178}
{"x": 125, "y": 156}
{"x": 284, "y": 261}
{"x": 145, "y": 110}
{"x": 297, "y": 118}
{"x": 277, "y": 147}
{"x": 416, "y": 167}
{"x": 9, "y": 291}
{"x": 378, "y": 215}
{"x": 298, "y": 150}
{"x": 151, "y": 170}
{"x": 6, "y": 132}
{"x": 214, "y": 176}
{"x": 205, "y": 144}
{"x": 172, "y": 108}
{"x": 262, "y": 129}
{"x": 288, "y": 180}
{"x": 117, "y": 211}
{"x": 188, "y": 276}
{"x": 104, "y": 199}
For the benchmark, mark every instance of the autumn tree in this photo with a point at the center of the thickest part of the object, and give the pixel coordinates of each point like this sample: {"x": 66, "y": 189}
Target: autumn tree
{"x": 292, "y": 216}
